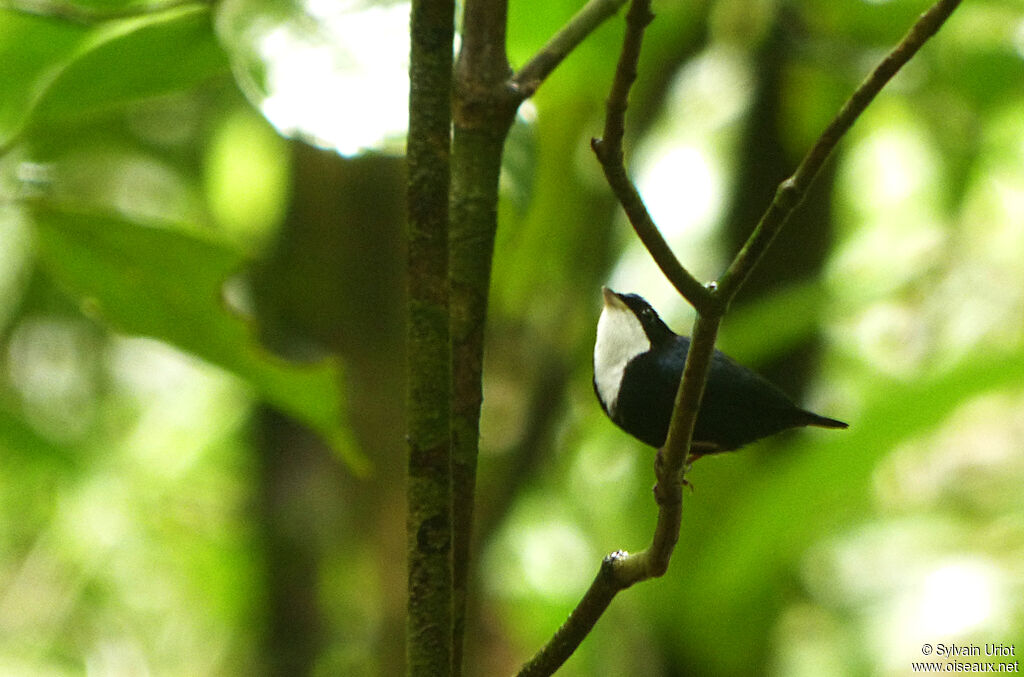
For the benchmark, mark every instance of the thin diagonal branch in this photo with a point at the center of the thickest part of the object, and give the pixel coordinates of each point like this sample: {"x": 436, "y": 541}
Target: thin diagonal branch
{"x": 621, "y": 570}
{"x": 581, "y": 621}
{"x": 539, "y": 67}
{"x": 791, "y": 191}
{"x": 609, "y": 152}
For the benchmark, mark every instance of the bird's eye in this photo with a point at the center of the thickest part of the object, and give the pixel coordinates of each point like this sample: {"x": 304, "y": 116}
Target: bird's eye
{"x": 647, "y": 313}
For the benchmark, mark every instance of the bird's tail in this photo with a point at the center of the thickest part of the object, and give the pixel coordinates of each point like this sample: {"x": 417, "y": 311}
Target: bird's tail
{"x": 810, "y": 418}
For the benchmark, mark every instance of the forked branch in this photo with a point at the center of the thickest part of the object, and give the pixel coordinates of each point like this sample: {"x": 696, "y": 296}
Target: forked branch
{"x": 791, "y": 191}
{"x": 620, "y": 570}
{"x": 609, "y": 152}
{"x": 539, "y": 67}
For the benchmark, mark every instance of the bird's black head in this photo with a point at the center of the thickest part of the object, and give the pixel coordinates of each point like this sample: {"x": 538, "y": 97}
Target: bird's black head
{"x": 656, "y": 330}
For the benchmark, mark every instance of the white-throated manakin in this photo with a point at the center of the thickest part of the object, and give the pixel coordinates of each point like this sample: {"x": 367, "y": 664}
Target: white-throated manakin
{"x": 638, "y": 363}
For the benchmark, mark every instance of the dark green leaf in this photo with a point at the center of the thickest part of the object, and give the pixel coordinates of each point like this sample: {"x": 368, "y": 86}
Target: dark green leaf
{"x": 167, "y": 284}
{"x": 54, "y": 69}
{"x": 33, "y": 50}
{"x": 134, "y": 60}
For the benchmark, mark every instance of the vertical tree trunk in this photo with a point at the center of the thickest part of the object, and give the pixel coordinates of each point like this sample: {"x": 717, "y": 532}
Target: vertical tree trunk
{"x": 334, "y": 283}
{"x": 428, "y": 484}
{"x": 293, "y": 625}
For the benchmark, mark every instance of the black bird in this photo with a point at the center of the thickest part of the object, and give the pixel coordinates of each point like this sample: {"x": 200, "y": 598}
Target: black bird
{"x": 638, "y": 362}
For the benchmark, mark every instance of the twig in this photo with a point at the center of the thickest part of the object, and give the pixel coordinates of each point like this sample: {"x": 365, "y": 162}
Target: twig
{"x": 620, "y": 570}
{"x": 581, "y": 621}
{"x": 791, "y": 191}
{"x": 609, "y": 152}
{"x": 485, "y": 101}
{"x": 582, "y": 24}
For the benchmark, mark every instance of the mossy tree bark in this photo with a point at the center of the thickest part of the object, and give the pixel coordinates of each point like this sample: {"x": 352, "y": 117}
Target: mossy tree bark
{"x": 448, "y": 299}
{"x": 483, "y": 117}
{"x": 487, "y": 95}
{"x": 429, "y": 524}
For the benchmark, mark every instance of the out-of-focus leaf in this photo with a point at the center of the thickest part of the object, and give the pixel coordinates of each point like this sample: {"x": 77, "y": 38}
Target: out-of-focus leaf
{"x": 53, "y": 70}
{"x": 167, "y": 284}
{"x": 19, "y": 438}
{"x": 138, "y": 58}
{"x": 96, "y": 11}
{"x": 759, "y": 531}
{"x": 32, "y": 51}
{"x": 758, "y": 331}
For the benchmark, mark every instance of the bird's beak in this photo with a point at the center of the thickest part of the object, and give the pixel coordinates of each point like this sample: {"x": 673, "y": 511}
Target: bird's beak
{"x": 611, "y": 299}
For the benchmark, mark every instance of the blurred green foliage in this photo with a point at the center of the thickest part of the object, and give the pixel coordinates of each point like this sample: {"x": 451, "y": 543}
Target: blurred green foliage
{"x": 157, "y": 519}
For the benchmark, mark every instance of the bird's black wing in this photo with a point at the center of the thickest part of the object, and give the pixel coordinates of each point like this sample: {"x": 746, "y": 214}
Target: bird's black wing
{"x": 647, "y": 396}
{"x": 739, "y": 406}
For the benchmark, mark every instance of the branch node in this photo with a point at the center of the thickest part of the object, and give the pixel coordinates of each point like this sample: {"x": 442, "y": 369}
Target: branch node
{"x": 562, "y": 43}
{"x": 621, "y": 569}
{"x": 668, "y": 493}
{"x": 788, "y": 194}
{"x": 611, "y": 558}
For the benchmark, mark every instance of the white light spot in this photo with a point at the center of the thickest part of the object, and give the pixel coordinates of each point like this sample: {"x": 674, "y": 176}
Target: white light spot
{"x": 553, "y": 554}
{"x": 890, "y": 166}
{"x": 1018, "y": 39}
{"x": 956, "y": 599}
{"x": 681, "y": 190}
{"x": 349, "y": 89}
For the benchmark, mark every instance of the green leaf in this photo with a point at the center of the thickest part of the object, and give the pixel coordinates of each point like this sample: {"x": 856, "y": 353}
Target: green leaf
{"x": 760, "y": 527}
{"x": 20, "y": 441}
{"x": 33, "y": 50}
{"x": 755, "y": 332}
{"x": 136, "y": 59}
{"x": 167, "y": 284}
{"x": 51, "y": 70}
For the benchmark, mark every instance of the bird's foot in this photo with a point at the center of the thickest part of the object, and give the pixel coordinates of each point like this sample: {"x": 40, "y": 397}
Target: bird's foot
{"x": 686, "y": 471}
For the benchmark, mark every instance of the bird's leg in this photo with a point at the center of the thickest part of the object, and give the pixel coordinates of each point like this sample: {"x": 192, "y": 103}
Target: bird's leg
{"x": 659, "y": 463}
{"x": 659, "y": 473}
{"x": 686, "y": 471}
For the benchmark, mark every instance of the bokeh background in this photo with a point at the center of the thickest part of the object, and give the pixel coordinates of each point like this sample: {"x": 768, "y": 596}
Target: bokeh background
{"x": 201, "y": 342}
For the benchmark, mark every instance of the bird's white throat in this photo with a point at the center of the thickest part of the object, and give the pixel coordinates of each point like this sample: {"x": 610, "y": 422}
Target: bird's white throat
{"x": 620, "y": 338}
